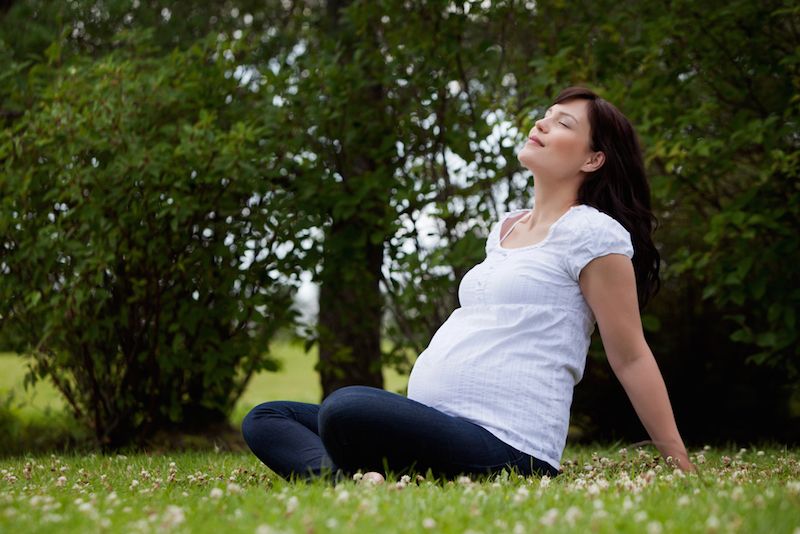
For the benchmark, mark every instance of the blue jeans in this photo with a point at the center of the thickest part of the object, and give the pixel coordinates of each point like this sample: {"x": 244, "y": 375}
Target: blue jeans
{"x": 371, "y": 429}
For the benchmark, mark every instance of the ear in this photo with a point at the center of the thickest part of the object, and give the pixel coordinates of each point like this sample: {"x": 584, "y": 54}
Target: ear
{"x": 594, "y": 162}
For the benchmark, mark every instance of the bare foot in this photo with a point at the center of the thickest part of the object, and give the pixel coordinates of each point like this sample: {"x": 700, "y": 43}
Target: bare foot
{"x": 372, "y": 478}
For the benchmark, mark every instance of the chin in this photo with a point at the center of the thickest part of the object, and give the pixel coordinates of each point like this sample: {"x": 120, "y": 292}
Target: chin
{"x": 526, "y": 161}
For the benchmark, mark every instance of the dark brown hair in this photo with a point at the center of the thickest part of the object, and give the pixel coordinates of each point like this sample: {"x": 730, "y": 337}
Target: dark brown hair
{"x": 619, "y": 188}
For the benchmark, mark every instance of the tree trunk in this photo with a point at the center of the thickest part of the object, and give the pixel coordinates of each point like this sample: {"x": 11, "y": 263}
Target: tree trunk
{"x": 350, "y": 308}
{"x": 350, "y": 303}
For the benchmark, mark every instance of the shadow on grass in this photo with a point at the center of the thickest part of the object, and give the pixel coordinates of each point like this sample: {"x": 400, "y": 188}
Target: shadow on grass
{"x": 57, "y": 432}
{"x": 48, "y": 431}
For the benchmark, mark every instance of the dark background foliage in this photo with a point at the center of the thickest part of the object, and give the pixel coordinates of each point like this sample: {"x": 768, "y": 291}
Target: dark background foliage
{"x": 326, "y": 136}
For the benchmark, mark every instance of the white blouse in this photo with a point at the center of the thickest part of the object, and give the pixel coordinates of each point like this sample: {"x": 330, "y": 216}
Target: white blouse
{"x": 509, "y": 357}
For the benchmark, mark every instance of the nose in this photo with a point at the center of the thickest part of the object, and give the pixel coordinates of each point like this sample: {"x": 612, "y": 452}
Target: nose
{"x": 539, "y": 125}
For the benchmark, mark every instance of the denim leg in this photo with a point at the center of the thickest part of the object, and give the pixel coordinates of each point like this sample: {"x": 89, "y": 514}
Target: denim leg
{"x": 284, "y": 435}
{"x": 372, "y": 429}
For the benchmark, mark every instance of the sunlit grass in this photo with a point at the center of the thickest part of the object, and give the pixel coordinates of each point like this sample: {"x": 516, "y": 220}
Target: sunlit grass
{"x": 601, "y": 490}
{"x": 604, "y": 488}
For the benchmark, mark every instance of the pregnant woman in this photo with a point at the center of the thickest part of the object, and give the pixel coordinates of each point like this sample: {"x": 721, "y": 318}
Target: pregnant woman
{"x": 494, "y": 387}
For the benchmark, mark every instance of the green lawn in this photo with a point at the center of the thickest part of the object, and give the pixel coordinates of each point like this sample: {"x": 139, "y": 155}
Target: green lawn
{"x": 603, "y": 488}
{"x": 600, "y": 490}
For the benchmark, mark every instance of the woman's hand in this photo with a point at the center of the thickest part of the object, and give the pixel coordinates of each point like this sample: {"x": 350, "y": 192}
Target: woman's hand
{"x": 681, "y": 461}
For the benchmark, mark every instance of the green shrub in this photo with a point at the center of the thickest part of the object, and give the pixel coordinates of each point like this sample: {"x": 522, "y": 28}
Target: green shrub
{"x": 143, "y": 251}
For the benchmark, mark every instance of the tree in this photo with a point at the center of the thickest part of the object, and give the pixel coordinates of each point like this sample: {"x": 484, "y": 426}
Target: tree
{"x": 379, "y": 122}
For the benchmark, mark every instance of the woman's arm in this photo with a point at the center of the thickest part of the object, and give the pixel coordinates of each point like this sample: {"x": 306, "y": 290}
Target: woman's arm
{"x": 608, "y": 284}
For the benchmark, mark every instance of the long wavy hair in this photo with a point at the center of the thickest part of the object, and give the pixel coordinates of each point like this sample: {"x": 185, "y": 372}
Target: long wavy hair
{"x": 619, "y": 188}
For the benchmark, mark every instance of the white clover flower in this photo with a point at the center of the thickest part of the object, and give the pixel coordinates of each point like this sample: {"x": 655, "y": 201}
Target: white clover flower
{"x": 332, "y": 523}
{"x": 343, "y": 496}
{"x": 544, "y": 481}
{"x": 464, "y": 480}
{"x": 640, "y": 516}
{"x": 173, "y": 516}
{"x": 654, "y": 527}
{"x": 572, "y": 514}
{"x": 521, "y": 494}
{"x": 683, "y": 500}
{"x": 52, "y": 518}
{"x": 216, "y": 493}
{"x": 61, "y": 481}
{"x": 712, "y": 523}
{"x": 627, "y": 504}
{"x": 760, "y": 453}
{"x": 428, "y": 523}
{"x": 406, "y": 479}
{"x": 234, "y": 489}
{"x": 292, "y": 504}
{"x": 793, "y": 486}
{"x": 549, "y": 517}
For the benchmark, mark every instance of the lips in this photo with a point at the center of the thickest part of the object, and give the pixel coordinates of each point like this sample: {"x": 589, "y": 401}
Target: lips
{"x": 536, "y": 140}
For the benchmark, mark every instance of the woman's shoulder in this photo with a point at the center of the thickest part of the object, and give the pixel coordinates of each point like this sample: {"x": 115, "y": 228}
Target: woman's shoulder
{"x": 591, "y": 220}
{"x": 590, "y": 227}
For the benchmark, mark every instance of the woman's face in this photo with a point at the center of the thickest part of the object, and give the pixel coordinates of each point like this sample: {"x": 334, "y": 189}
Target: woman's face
{"x": 558, "y": 146}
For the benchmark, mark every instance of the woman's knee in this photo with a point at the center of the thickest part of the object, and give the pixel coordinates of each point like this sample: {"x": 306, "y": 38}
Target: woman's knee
{"x": 344, "y": 404}
{"x": 256, "y": 418}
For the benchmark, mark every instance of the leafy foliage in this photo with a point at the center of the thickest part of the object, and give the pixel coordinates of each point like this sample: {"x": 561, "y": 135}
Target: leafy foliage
{"x": 387, "y": 140}
{"x": 141, "y": 242}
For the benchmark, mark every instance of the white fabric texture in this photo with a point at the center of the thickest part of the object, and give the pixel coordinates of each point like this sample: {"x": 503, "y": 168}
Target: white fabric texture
{"x": 510, "y": 356}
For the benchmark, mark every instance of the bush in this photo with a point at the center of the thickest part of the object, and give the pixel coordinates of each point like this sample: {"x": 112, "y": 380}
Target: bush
{"x": 143, "y": 240}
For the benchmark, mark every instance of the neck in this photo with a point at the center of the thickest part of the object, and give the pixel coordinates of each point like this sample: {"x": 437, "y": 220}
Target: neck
{"x": 550, "y": 204}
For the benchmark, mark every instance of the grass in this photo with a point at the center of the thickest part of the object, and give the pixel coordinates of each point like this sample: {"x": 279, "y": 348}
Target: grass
{"x": 601, "y": 490}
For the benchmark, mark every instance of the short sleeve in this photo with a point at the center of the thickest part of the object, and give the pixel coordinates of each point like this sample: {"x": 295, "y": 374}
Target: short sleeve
{"x": 597, "y": 238}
